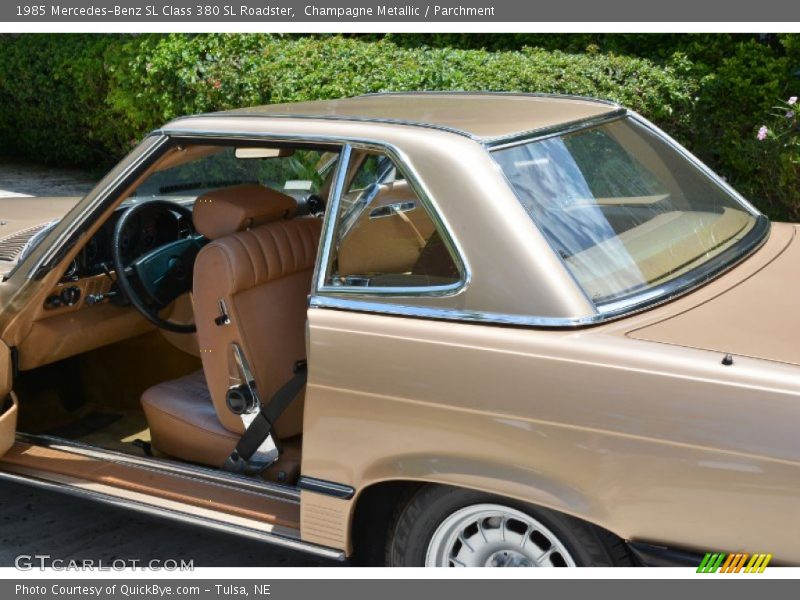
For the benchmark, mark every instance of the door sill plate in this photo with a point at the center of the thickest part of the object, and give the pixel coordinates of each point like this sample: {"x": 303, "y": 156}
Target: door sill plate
{"x": 214, "y": 501}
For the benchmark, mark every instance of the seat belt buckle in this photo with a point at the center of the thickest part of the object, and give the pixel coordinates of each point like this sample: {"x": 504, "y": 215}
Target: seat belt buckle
{"x": 261, "y": 460}
{"x": 300, "y": 366}
{"x": 235, "y": 463}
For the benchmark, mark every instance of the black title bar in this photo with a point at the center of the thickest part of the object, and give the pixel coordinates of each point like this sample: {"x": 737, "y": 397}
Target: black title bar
{"x": 442, "y": 11}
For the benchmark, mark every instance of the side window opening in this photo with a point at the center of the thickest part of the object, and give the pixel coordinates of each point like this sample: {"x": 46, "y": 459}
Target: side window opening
{"x": 386, "y": 237}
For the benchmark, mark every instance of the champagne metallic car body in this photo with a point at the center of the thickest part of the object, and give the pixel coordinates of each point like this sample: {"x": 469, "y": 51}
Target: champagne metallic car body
{"x": 668, "y": 419}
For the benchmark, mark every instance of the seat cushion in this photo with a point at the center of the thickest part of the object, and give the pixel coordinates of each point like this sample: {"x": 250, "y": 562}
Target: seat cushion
{"x": 183, "y": 422}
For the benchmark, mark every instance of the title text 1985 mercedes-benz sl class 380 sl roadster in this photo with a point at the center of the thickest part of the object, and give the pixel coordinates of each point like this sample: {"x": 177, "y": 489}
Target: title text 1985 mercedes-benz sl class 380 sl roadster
{"x": 538, "y": 332}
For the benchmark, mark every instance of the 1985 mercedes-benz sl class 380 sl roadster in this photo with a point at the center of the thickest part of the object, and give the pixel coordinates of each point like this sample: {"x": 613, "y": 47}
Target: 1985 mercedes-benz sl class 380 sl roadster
{"x": 416, "y": 329}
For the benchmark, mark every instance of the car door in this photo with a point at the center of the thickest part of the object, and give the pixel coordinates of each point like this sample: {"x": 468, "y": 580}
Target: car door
{"x": 8, "y": 408}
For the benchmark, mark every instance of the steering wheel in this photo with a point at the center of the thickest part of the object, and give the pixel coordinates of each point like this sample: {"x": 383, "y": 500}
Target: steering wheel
{"x": 152, "y": 281}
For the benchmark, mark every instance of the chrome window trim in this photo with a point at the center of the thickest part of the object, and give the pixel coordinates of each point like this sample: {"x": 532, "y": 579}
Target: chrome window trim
{"x": 534, "y": 322}
{"x": 332, "y": 219}
{"x": 325, "y": 255}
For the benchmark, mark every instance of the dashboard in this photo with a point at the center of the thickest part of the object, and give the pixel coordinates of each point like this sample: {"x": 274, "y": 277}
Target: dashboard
{"x": 85, "y": 309}
{"x": 147, "y": 231}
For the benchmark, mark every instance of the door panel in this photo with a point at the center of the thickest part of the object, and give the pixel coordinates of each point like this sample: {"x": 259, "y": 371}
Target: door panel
{"x": 8, "y": 402}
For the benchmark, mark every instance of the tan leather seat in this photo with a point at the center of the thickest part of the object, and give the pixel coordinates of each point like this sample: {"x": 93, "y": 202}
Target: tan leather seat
{"x": 183, "y": 422}
{"x": 259, "y": 264}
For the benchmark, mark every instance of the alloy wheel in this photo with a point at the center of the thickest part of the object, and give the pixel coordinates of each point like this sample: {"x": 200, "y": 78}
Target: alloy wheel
{"x": 492, "y": 535}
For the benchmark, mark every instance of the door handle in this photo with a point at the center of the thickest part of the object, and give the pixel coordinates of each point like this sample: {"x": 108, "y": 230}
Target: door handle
{"x": 388, "y": 210}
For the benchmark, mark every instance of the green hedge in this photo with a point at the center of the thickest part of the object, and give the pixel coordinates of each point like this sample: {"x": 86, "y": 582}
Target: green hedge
{"x": 85, "y": 99}
{"x": 52, "y": 97}
{"x": 75, "y": 98}
{"x": 182, "y": 75}
{"x": 734, "y": 99}
{"x": 706, "y": 48}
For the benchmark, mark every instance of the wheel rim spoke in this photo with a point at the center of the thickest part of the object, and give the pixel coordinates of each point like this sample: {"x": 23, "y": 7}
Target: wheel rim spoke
{"x": 482, "y": 531}
{"x": 544, "y": 556}
{"x": 527, "y": 535}
{"x": 464, "y": 542}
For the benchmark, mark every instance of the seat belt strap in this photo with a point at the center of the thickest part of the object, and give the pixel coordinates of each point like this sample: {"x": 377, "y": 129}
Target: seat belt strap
{"x": 262, "y": 424}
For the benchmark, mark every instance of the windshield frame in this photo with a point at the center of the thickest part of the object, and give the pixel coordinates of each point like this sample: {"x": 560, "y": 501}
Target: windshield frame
{"x": 683, "y": 284}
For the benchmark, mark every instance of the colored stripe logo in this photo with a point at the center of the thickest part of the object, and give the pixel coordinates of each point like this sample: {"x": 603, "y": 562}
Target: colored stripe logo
{"x": 719, "y": 562}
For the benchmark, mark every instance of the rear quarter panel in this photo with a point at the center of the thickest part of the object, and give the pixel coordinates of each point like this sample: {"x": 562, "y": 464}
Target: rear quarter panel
{"x": 653, "y": 442}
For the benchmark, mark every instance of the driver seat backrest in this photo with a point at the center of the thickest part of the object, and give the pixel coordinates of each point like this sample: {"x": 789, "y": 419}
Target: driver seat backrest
{"x": 257, "y": 269}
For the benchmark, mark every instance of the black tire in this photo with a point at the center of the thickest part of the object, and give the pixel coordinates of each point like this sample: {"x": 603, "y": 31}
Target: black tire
{"x": 417, "y": 520}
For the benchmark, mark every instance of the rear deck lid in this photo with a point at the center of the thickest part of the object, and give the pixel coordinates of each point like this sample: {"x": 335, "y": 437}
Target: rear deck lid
{"x": 758, "y": 318}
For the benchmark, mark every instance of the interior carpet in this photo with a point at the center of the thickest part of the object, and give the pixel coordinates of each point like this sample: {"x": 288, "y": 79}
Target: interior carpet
{"x": 89, "y": 423}
{"x": 122, "y": 433}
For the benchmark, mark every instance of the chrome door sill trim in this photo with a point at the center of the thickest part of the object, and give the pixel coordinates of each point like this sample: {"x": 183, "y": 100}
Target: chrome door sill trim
{"x": 196, "y": 520}
{"x": 328, "y": 488}
{"x": 277, "y": 491}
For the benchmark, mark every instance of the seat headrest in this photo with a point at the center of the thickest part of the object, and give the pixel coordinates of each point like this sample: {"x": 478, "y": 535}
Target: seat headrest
{"x": 227, "y": 210}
